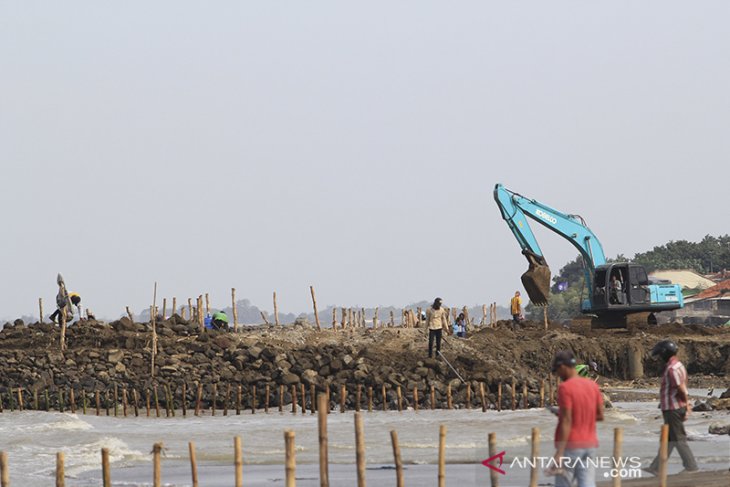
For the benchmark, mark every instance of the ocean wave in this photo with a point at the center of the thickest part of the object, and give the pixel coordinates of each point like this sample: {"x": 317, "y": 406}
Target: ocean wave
{"x": 59, "y": 421}
{"x": 88, "y": 456}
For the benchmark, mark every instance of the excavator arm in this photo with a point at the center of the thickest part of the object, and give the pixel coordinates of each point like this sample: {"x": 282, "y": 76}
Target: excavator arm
{"x": 516, "y": 209}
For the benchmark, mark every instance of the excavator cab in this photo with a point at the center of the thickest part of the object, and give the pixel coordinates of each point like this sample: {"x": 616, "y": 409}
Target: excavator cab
{"x": 621, "y": 286}
{"x": 536, "y": 280}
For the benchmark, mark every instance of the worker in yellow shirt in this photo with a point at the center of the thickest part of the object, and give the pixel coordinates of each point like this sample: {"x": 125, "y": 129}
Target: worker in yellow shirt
{"x": 515, "y": 307}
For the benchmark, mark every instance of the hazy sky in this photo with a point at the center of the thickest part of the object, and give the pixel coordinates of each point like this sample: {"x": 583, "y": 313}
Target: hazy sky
{"x": 273, "y": 145}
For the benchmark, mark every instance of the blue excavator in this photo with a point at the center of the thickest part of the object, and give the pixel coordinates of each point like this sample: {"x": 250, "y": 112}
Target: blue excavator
{"x": 619, "y": 294}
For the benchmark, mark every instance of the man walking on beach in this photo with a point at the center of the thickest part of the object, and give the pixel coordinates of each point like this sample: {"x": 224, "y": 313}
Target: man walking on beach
{"x": 580, "y": 405}
{"x": 674, "y": 402}
{"x": 437, "y": 320}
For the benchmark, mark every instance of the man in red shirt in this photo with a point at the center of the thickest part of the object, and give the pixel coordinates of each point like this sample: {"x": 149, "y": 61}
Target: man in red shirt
{"x": 674, "y": 402}
{"x": 580, "y": 405}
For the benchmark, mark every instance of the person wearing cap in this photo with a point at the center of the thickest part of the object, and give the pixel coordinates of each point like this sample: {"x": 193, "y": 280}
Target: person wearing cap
{"x": 585, "y": 370}
{"x": 580, "y": 405}
{"x": 675, "y": 406}
{"x": 437, "y": 320}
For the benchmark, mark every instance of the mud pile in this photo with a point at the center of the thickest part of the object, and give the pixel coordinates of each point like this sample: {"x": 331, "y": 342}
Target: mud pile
{"x": 100, "y": 356}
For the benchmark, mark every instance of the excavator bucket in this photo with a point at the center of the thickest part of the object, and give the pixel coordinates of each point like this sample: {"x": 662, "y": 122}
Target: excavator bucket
{"x": 537, "y": 279}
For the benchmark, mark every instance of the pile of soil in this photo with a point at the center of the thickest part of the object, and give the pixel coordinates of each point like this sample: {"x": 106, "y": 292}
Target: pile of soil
{"x": 101, "y": 355}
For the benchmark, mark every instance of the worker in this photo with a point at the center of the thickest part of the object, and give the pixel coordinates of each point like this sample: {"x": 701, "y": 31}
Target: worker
{"x": 460, "y": 326}
{"x": 585, "y": 370}
{"x": 515, "y": 307}
{"x": 580, "y": 405}
{"x": 219, "y": 321}
{"x": 616, "y": 290}
{"x": 437, "y": 320}
{"x": 675, "y": 405}
{"x": 62, "y": 304}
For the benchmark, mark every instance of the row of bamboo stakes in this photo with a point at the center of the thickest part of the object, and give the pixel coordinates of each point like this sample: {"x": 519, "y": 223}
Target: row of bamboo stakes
{"x": 290, "y": 457}
{"x": 130, "y": 399}
{"x": 198, "y": 307}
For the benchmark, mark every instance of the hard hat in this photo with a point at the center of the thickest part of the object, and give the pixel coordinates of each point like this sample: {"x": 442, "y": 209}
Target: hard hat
{"x": 593, "y": 365}
{"x": 665, "y": 349}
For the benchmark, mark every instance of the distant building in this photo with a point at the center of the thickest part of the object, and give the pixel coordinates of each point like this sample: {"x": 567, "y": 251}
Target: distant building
{"x": 711, "y": 306}
{"x": 691, "y": 282}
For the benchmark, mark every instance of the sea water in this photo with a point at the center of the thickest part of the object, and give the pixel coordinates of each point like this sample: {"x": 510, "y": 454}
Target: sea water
{"x": 33, "y": 438}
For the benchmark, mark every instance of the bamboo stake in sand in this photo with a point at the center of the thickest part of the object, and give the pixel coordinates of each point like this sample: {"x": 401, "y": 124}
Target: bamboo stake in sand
{"x": 4, "y": 472}
{"x": 207, "y": 304}
{"x": 322, "y": 410}
{"x": 174, "y": 306}
{"x": 164, "y": 309}
{"x": 234, "y": 307}
{"x": 106, "y": 475}
{"x": 618, "y": 438}
{"x": 314, "y": 304}
{"x": 156, "y": 466}
{"x": 534, "y": 454}
{"x": 433, "y": 397}
{"x": 276, "y": 311}
{"x": 397, "y": 459}
{"x": 494, "y": 478}
{"x": 40, "y": 309}
{"x": 370, "y": 399}
{"x": 663, "y": 455}
{"x": 193, "y": 464}
{"x": 238, "y": 460}
{"x": 343, "y": 397}
{"x": 360, "y": 450}
{"x": 60, "y": 470}
{"x": 291, "y": 461}
{"x": 442, "y": 456}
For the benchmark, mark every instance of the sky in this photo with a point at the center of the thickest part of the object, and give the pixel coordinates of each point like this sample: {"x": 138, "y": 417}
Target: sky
{"x": 270, "y": 146}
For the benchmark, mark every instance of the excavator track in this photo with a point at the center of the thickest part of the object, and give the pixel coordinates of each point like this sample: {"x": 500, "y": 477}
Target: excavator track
{"x": 632, "y": 321}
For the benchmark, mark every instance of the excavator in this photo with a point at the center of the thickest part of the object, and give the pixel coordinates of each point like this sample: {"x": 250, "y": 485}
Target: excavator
{"x": 619, "y": 294}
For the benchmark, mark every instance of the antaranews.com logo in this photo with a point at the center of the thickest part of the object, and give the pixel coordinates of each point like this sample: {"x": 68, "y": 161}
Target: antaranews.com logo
{"x": 608, "y": 467}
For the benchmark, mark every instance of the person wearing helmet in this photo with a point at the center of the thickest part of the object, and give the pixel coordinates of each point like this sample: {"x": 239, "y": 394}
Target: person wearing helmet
{"x": 585, "y": 370}
{"x": 675, "y": 405}
{"x": 220, "y": 321}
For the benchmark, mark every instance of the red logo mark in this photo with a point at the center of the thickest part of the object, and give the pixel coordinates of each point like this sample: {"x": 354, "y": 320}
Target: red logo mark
{"x": 488, "y": 462}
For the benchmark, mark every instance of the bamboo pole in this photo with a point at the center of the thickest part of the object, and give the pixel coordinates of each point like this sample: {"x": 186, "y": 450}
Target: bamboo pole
{"x": 312, "y": 398}
{"x": 663, "y": 455}
{"x": 190, "y": 309}
{"x": 493, "y": 477}
{"x": 358, "y": 397}
{"x": 215, "y": 399}
{"x": 184, "y": 399}
{"x": 253, "y": 399}
{"x": 385, "y": 398}
{"x": 83, "y": 400}
{"x": 116, "y": 399}
{"x": 370, "y": 399}
{"x": 174, "y": 306}
{"x": 157, "y": 401}
{"x": 294, "y": 399}
{"x": 360, "y": 450}
{"x": 542, "y": 393}
{"x": 468, "y": 395}
{"x": 291, "y": 461}
{"x": 415, "y": 398}
{"x": 449, "y": 401}
{"x": 238, "y": 461}
{"x": 534, "y": 453}
{"x": 343, "y": 397}
{"x": 525, "y": 399}
{"x": 433, "y": 397}
{"x": 4, "y": 472}
{"x": 60, "y": 470}
{"x": 124, "y": 401}
{"x": 343, "y": 311}
{"x": 281, "y": 398}
{"x": 375, "y": 319}
{"x": 156, "y": 466}
{"x": 483, "y": 397}
{"x": 135, "y": 398}
{"x": 207, "y": 304}
{"x": 164, "y": 309}
{"x": 199, "y": 399}
{"x": 193, "y": 464}
{"x": 147, "y": 402}
{"x": 442, "y": 456}
{"x": 499, "y": 396}
{"x": 400, "y": 399}
{"x": 399, "y": 481}
{"x": 98, "y": 402}
{"x": 618, "y": 438}
{"x": 334, "y": 318}
{"x": 322, "y": 410}
{"x": 314, "y": 304}
{"x": 40, "y": 310}
{"x": 129, "y": 314}
{"x": 234, "y": 307}
{"x": 302, "y": 393}
{"x": 227, "y": 400}
{"x": 21, "y": 406}
{"x": 545, "y": 316}
{"x": 276, "y": 311}
{"x": 63, "y": 328}
{"x": 105, "y": 473}
{"x": 268, "y": 395}
{"x": 514, "y": 395}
